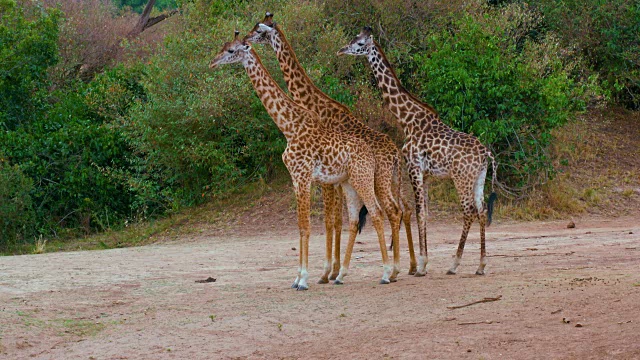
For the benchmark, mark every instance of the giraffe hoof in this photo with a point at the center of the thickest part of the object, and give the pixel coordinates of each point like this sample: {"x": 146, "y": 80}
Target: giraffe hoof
{"x": 323, "y": 281}
{"x": 450, "y": 272}
{"x": 333, "y": 276}
{"x": 413, "y": 271}
{"x": 294, "y": 286}
{"x": 480, "y": 272}
{"x": 393, "y": 280}
{"x": 302, "y": 287}
{"x": 385, "y": 281}
{"x": 420, "y": 274}
{"x": 338, "y": 282}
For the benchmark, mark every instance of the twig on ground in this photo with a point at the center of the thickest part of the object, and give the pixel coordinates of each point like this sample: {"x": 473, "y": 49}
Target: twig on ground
{"x": 487, "y": 299}
{"x": 478, "y": 322}
{"x": 532, "y": 255}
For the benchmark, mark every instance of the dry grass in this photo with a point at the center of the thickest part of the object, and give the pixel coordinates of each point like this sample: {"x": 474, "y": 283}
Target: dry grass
{"x": 598, "y": 170}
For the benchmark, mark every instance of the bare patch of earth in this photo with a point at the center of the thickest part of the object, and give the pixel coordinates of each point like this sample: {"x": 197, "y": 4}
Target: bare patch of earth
{"x": 565, "y": 293}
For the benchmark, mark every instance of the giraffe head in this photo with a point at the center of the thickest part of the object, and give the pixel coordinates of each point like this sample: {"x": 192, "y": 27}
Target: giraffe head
{"x": 360, "y": 45}
{"x": 262, "y": 32}
{"x": 232, "y": 52}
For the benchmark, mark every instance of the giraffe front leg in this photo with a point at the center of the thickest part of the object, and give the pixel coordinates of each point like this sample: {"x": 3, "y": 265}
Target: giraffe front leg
{"x": 303, "y": 198}
{"x": 417, "y": 182}
{"x": 406, "y": 219}
{"x": 329, "y": 197}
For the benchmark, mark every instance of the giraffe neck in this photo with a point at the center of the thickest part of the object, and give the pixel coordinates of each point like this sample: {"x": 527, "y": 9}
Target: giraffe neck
{"x": 282, "y": 110}
{"x": 302, "y": 89}
{"x": 401, "y": 103}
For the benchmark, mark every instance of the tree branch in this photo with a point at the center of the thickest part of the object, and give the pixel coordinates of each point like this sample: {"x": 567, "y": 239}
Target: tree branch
{"x": 476, "y": 302}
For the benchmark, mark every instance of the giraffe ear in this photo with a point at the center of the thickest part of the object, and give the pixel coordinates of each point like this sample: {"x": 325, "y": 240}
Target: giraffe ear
{"x": 264, "y": 27}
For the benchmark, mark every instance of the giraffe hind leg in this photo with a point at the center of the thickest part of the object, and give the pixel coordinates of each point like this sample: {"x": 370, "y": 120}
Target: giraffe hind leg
{"x": 337, "y": 236}
{"x": 468, "y": 220}
{"x": 354, "y": 204}
{"x": 482, "y": 212}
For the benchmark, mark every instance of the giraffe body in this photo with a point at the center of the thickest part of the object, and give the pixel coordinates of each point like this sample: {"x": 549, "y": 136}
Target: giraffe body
{"x": 388, "y": 183}
{"x": 431, "y": 147}
{"x": 314, "y": 153}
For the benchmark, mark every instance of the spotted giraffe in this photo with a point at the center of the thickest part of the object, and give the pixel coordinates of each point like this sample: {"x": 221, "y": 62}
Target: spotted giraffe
{"x": 314, "y": 153}
{"x": 432, "y": 147}
{"x": 388, "y": 177}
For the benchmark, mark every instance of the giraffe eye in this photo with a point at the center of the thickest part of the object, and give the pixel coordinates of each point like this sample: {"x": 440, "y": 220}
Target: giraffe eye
{"x": 361, "y": 43}
{"x": 230, "y": 51}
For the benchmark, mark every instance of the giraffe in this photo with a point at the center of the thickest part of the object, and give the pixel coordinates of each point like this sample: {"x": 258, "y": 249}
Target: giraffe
{"x": 314, "y": 153}
{"x": 388, "y": 183}
{"x": 432, "y": 147}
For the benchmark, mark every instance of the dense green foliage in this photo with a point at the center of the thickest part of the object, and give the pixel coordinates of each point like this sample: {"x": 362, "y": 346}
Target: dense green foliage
{"x": 607, "y": 34}
{"x": 138, "y": 5}
{"x": 158, "y": 130}
{"x": 27, "y": 49}
{"x": 509, "y": 93}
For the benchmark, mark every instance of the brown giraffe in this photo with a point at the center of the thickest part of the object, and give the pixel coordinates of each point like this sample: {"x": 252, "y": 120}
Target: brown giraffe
{"x": 313, "y": 153}
{"x": 335, "y": 115}
{"x": 432, "y": 147}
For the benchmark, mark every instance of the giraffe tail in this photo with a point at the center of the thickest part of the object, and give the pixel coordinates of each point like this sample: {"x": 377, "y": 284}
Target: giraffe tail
{"x": 493, "y": 196}
{"x": 492, "y": 199}
{"x": 362, "y": 218}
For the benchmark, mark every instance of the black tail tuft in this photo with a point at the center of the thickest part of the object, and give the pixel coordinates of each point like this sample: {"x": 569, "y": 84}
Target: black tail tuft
{"x": 492, "y": 199}
{"x": 362, "y": 218}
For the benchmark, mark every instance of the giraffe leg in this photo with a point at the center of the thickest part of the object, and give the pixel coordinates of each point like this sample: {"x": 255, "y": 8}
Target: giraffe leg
{"x": 303, "y": 198}
{"x": 419, "y": 191}
{"x": 353, "y": 205}
{"x": 338, "y": 233}
{"x": 328, "y": 197}
{"x": 367, "y": 193}
{"x": 468, "y": 220}
{"x": 483, "y": 253}
{"x": 406, "y": 218}
{"x": 394, "y": 214}
{"x": 478, "y": 196}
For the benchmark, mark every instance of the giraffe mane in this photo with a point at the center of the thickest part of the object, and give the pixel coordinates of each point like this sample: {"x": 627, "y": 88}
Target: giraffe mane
{"x": 285, "y": 41}
{"x": 386, "y": 62}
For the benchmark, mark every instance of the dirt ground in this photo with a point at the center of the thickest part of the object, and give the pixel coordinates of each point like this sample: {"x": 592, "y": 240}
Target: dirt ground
{"x": 565, "y": 293}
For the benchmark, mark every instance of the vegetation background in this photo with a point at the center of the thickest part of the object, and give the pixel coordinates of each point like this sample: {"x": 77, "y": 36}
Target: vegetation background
{"x": 100, "y": 129}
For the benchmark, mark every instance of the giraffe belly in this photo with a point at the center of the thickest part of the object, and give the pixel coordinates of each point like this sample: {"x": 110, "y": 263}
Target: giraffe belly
{"x": 434, "y": 169}
{"x": 324, "y": 175}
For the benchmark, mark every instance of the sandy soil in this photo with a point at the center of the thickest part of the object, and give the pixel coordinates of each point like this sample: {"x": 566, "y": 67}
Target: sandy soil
{"x": 565, "y": 293}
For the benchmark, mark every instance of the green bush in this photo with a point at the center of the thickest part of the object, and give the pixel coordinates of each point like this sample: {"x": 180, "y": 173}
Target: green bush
{"x": 200, "y": 131}
{"x": 17, "y": 217}
{"x": 510, "y": 91}
{"x": 607, "y": 34}
{"x": 27, "y": 49}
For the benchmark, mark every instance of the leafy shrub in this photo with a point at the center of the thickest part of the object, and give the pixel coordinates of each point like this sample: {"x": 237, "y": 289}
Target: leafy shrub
{"x": 488, "y": 79}
{"x": 17, "y": 217}
{"x": 200, "y": 131}
{"x": 28, "y": 49}
{"x": 607, "y": 34}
